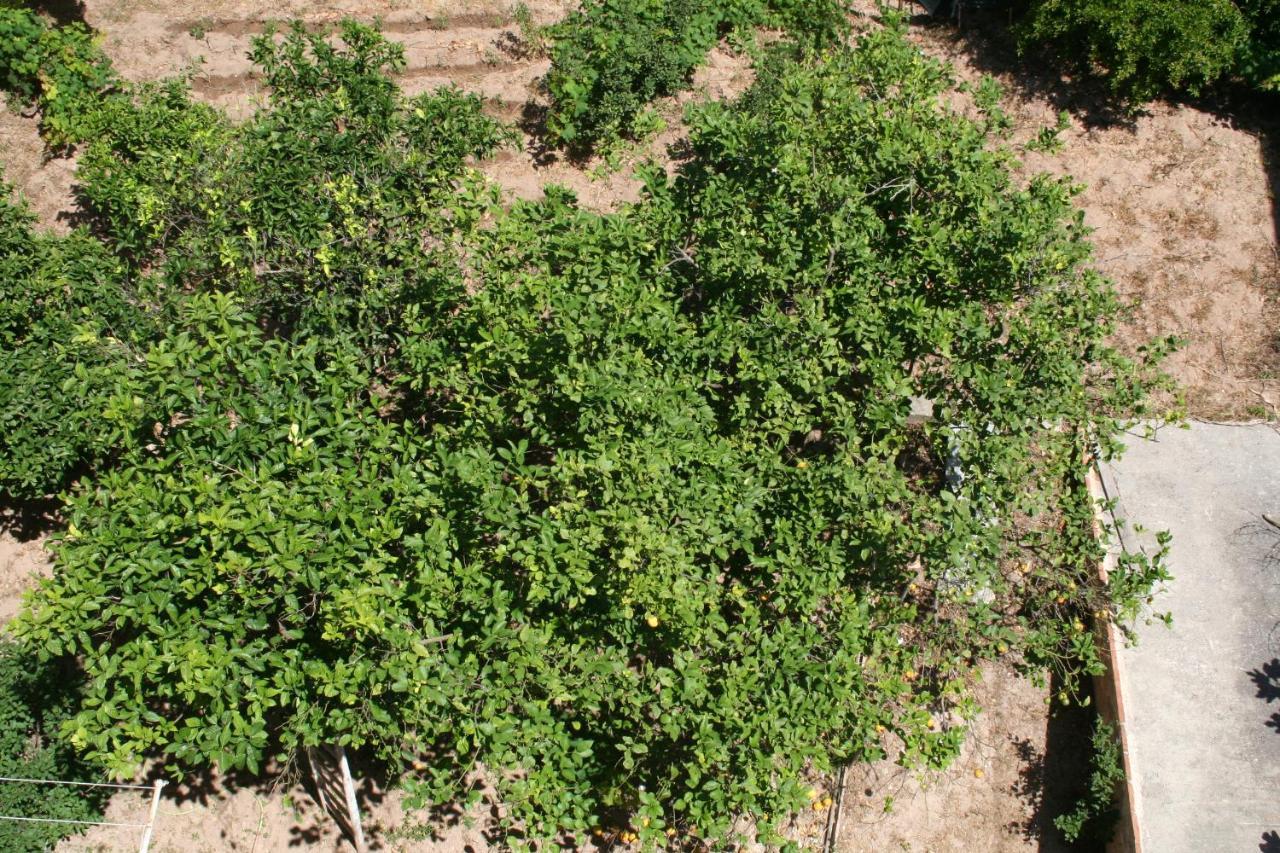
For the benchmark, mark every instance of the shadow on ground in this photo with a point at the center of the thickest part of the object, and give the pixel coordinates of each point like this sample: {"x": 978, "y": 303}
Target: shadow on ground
{"x": 1053, "y": 781}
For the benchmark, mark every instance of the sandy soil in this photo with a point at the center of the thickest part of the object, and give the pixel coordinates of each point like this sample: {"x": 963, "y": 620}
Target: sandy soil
{"x": 22, "y": 561}
{"x": 1000, "y": 796}
{"x": 219, "y": 815}
{"x": 44, "y": 181}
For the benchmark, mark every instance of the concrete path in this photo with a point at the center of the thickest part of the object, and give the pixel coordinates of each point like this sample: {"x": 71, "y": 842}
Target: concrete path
{"x": 1202, "y": 699}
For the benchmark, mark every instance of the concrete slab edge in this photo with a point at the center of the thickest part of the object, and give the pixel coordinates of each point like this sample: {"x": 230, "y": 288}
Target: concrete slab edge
{"x": 1106, "y": 687}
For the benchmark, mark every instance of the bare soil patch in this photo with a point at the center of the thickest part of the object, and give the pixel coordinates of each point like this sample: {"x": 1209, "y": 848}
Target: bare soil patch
{"x": 215, "y": 814}
{"x": 22, "y": 564}
{"x": 1016, "y": 772}
{"x": 43, "y": 180}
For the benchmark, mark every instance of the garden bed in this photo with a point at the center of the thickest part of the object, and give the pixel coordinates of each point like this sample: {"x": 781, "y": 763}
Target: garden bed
{"x": 1011, "y": 777}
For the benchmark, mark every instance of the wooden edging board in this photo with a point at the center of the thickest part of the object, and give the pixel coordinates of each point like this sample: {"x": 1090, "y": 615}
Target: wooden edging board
{"x": 1106, "y": 687}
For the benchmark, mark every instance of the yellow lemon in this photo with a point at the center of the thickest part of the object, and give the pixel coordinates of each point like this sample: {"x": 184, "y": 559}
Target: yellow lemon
{"x": 651, "y": 621}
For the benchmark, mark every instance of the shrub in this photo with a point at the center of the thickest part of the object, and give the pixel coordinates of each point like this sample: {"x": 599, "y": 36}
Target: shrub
{"x": 328, "y": 211}
{"x": 59, "y": 69}
{"x": 1143, "y": 48}
{"x": 35, "y": 699}
{"x": 1259, "y": 61}
{"x": 67, "y": 325}
{"x": 637, "y": 520}
{"x": 261, "y": 527}
{"x": 611, "y": 58}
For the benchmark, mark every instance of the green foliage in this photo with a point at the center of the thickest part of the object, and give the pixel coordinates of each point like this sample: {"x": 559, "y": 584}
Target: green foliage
{"x": 59, "y": 69}
{"x": 324, "y": 213}
{"x": 626, "y": 509}
{"x": 1093, "y": 819}
{"x": 1143, "y": 48}
{"x": 1259, "y": 59}
{"x": 35, "y": 699}
{"x": 66, "y": 328}
{"x": 611, "y": 58}
{"x": 262, "y": 529}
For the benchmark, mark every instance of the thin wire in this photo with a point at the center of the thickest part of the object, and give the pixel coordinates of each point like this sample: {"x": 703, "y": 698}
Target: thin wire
{"x": 64, "y": 820}
{"x": 84, "y": 784}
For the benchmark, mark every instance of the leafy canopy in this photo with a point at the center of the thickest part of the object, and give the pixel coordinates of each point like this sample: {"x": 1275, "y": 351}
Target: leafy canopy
{"x": 626, "y": 510}
{"x": 611, "y": 58}
{"x": 1149, "y": 48}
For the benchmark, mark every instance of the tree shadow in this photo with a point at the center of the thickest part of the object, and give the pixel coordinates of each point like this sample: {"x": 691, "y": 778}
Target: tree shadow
{"x": 1051, "y": 782}
{"x": 542, "y": 149}
{"x": 322, "y": 802}
{"x": 62, "y": 11}
{"x": 27, "y": 520}
{"x": 987, "y": 40}
{"x": 1266, "y": 678}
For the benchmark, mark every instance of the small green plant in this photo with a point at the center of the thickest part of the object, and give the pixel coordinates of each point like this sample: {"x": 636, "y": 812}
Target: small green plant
{"x": 61, "y": 70}
{"x": 1049, "y": 139}
{"x": 1093, "y": 819}
{"x": 200, "y": 28}
{"x": 533, "y": 36}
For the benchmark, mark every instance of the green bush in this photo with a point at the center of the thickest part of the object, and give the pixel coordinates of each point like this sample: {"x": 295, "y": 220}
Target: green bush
{"x": 262, "y": 529}
{"x": 626, "y": 509}
{"x": 67, "y": 326}
{"x": 1259, "y": 60}
{"x": 35, "y": 699}
{"x": 325, "y": 213}
{"x": 611, "y": 58}
{"x": 1143, "y": 48}
{"x": 59, "y": 69}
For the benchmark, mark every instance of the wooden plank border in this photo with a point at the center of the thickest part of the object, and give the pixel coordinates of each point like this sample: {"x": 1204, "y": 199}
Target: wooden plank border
{"x": 1106, "y": 687}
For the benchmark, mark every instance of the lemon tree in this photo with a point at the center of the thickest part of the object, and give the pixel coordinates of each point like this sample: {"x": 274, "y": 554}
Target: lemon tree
{"x": 626, "y": 512}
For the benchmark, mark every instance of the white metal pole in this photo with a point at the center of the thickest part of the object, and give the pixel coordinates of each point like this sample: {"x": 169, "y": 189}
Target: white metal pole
{"x": 151, "y": 821}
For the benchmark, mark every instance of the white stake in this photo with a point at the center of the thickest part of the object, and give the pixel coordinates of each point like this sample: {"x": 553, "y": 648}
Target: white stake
{"x": 353, "y": 809}
{"x": 151, "y": 821}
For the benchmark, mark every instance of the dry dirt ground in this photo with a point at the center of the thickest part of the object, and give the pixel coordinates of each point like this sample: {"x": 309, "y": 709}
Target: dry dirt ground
{"x": 1183, "y": 210}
